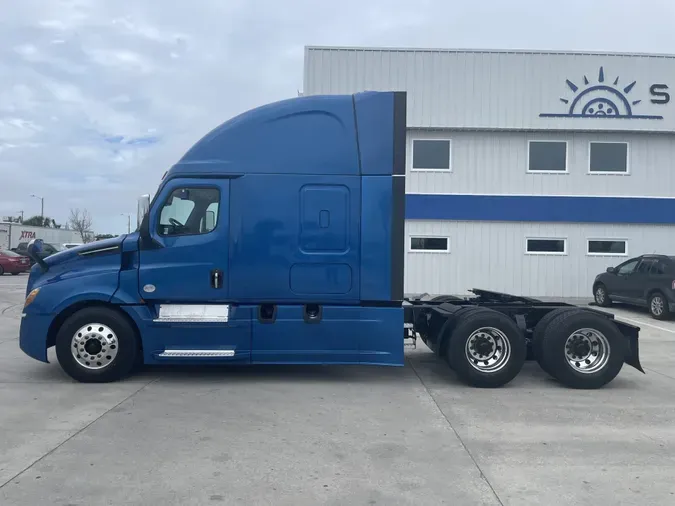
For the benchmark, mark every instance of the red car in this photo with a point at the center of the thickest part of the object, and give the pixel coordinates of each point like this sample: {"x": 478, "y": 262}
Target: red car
{"x": 13, "y": 263}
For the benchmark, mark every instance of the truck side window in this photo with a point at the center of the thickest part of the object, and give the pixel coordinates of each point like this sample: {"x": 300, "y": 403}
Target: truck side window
{"x": 189, "y": 211}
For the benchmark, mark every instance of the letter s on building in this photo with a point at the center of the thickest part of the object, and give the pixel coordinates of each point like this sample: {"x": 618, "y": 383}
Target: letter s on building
{"x": 659, "y": 90}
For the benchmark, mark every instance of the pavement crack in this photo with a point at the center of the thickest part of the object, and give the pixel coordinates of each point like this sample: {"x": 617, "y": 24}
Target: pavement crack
{"x": 78, "y": 432}
{"x": 461, "y": 441}
{"x": 659, "y": 373}
{"x": 4, "y": 311}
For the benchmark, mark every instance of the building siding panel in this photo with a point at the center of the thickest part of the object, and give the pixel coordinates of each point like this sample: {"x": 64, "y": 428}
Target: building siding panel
{"x": 489, "y": 103}
{"x": 496, "y": 163}
{"x": 494, "y": 89}
{"x": 491, "y": 255}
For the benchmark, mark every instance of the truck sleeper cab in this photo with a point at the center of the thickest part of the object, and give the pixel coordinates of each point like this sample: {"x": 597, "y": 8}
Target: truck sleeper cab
{"x": 279, "y": 238}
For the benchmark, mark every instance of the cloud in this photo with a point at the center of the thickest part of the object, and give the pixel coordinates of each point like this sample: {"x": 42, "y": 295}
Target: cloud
{"x": 99, "y": 98}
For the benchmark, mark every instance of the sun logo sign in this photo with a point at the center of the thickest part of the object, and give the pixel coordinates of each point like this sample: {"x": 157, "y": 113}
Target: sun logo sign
{"x": 606, "y": 99}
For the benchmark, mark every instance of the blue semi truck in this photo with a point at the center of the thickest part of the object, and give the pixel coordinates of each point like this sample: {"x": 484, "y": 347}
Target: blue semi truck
{"x": 279, "y": 238}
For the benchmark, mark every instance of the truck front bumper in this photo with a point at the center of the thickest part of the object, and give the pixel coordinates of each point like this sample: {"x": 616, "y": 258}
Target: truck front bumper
{"x": 33, "y": 335}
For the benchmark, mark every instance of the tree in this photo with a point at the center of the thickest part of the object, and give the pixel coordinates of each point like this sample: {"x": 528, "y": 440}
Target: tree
{"x": 81, "y": 223}
{"x": 41, "y": 221}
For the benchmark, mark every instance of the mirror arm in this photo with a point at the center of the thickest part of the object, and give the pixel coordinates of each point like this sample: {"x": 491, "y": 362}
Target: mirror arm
{"x": 146, "y": 240}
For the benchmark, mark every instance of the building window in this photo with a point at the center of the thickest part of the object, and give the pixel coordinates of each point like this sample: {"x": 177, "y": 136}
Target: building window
{"x": 607, "y": 247}
{"x": 431, "y": 154}
{"x": 547, "y": 156}
{"x": 433, "y": 244}
{"x": 546, "y": 246}
{"x": 608, "y": 158}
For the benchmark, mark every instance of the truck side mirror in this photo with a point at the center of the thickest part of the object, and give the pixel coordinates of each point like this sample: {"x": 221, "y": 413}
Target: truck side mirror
{"x": 143, "y": 206}
{"x": 210, "y": 221}
{"x": 35, "y": 247}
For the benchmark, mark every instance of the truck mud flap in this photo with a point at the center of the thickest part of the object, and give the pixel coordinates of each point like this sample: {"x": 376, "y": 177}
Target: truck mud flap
{"x": 630, "y": 332}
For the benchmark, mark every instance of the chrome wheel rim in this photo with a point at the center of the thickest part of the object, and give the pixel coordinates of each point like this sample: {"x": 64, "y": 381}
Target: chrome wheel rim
{"x": 587, "y": 350}
{"x": 657, "y": 305}
{"x": 94, "y": 346}
{"x": 488, "y": 349}
{"x": 600, "y": 295}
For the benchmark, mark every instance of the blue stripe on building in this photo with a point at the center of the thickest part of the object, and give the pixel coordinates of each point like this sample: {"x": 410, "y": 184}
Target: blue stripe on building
{"x": 536, "y": 208}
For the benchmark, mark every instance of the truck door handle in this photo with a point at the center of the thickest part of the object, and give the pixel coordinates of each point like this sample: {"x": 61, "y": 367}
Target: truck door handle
{"x": 216, "y": 278}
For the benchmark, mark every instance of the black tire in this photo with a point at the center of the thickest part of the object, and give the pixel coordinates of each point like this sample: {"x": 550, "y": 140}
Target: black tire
{"x": 601, "y": 295}
{"x": 653, "y": 305}
{"x": 562, "y": 327}
{"x": 2, "y": 271}
{"x": 446, "y": 298}
{"x": 128, "y": 345}
{"x": 15, "y": 274}
{"x": 468, "y": 323}
{"x": 463, "y": 311}
{"x": 540, "y": 331}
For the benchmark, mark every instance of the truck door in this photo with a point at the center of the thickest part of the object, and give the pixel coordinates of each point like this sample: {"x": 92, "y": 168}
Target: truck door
{"x": 186, "y": 258}
{"x": 183, "y": 276}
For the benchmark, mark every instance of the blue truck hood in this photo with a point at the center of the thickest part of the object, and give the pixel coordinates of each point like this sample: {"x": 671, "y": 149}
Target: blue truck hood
{"x": 83, "y": 250}
{"x": 82, "y": 260}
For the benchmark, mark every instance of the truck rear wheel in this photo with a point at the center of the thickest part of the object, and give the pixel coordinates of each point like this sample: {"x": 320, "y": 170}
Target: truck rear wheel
{"x": 486, "y": 349}
{"x": 540, "y": 331}
{"x": 582, "y": 349}
{"x": 97, "y": 345}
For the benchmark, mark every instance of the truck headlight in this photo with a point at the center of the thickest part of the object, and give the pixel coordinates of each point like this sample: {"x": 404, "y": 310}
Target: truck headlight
{"x": 31, "y": 297}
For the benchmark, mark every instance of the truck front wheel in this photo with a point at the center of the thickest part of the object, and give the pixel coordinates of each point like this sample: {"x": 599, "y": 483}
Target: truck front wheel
{"x": 486, "y": 349}
{"x": 97, "y": 345}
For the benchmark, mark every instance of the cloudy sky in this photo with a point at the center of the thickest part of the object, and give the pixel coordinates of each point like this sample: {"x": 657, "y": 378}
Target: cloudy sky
{"x": 98, "y": 98}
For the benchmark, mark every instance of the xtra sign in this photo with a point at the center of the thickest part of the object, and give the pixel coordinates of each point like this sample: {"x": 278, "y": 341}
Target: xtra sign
{"x": 27, "y": 235}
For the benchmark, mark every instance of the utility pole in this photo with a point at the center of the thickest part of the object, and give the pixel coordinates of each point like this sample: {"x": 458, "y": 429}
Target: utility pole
{"x": 42, "y": 208}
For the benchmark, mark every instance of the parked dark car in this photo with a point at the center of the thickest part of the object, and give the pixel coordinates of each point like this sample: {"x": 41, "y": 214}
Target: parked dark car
{"x": 645, "y": 281}
{"x": 47, "y": 249}
{"x": 13, "y": 263}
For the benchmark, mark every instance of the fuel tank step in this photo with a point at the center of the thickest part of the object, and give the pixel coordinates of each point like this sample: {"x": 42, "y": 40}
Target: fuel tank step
{"x": 196, "y": 353}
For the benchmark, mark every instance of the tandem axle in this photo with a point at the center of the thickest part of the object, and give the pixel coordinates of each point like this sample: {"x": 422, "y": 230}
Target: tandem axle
{"x": 487, "y": 338}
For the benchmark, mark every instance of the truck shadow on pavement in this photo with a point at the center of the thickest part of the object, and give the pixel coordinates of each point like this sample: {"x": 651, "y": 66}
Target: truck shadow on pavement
{"x": 420, "y": 367}
{"x": 277, "y": 373}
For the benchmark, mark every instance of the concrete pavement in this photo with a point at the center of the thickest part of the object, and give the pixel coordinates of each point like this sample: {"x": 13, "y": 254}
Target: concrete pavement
{"x": 333, "y": 435}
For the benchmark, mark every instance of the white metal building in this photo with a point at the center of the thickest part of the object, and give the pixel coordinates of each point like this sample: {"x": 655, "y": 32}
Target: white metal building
{"x": 528, "y": 172}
